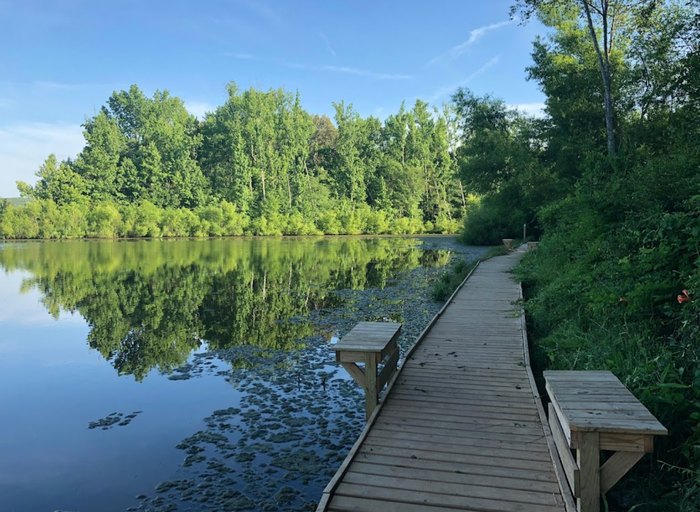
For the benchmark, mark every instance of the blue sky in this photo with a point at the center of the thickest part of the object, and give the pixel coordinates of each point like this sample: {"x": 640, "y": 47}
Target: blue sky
{"x": 61, "y": 59}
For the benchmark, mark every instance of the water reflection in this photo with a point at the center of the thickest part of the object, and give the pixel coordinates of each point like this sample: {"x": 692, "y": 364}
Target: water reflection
{"x": 151, "y": 304}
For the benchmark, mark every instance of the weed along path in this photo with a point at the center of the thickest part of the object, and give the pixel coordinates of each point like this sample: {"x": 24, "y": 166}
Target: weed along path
{"x": 461, "y": 427}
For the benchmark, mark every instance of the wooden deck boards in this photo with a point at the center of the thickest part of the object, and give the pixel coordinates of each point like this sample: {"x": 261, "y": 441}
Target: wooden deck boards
{"x": 460, "y": 428}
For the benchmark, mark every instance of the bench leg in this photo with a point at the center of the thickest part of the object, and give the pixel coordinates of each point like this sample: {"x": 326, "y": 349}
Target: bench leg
{"x": 371, "y": 395}
{"x": 588, "y": 459}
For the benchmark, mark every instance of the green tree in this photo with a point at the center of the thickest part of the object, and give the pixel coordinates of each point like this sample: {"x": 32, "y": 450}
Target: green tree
{"x": 98, "y": 163}
{"x": 57, "y": 182}
{"x": 160, "y": 142}
{"x": 608, "y": 24}
{"x": 349, "y": 175}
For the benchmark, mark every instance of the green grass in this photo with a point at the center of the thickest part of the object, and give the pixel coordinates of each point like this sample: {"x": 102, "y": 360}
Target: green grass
{"x": 450, "y": 280}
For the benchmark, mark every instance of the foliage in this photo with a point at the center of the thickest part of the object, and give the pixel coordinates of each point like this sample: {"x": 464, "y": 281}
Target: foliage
{"x": 501, "y": 157}
{"x": 614, "y": 282}
{"x": 450, "y": 280}
{"x": 258, "y": 164}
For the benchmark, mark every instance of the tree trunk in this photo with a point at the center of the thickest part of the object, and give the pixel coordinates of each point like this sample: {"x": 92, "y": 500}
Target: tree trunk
{"x": 262, "y": 181}
{"x": 604, "y": 65}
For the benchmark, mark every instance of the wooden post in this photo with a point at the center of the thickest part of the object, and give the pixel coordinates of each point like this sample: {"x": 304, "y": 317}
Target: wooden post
{"x": 371, "y": 392}
{"x": 588, "y": 459}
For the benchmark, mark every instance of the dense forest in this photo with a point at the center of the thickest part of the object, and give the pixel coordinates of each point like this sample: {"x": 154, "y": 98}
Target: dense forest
{"x": 609, "y": 181}
{"x": 259, "y": 164}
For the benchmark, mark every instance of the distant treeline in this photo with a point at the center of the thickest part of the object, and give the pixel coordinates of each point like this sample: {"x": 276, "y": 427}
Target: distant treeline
{"x": 258, "y": 164}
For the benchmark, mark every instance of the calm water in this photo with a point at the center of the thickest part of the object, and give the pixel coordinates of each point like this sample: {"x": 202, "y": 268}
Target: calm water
{"x": 191, "y": 375}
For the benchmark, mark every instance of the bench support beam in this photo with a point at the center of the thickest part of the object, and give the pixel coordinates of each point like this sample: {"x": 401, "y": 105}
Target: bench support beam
{"x": 616, "y": 467}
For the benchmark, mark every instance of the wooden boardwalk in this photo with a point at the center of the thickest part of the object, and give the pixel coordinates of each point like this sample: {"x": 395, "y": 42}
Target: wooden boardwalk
{"x": 460, "y": 427}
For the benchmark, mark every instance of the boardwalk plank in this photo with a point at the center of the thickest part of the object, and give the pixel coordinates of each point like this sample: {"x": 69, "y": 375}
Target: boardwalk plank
{"x": 495, "y": 504}
{"x": 485, "y": 460}
{"x": 525, "y": 475}
{"x": 435, "y": 475}
{"x": 520, "y": 443}
{"x": 352, "y": 504}
{"x": 449, "y": 488}
{"x": 459, "y": 414}
{"x": 455, "y": 448}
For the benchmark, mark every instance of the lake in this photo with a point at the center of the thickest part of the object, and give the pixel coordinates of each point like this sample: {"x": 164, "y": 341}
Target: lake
{"x": 192, "y": 374}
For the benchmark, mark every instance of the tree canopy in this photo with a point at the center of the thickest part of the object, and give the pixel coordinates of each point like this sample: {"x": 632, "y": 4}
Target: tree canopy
{"x": 258, "y": 164}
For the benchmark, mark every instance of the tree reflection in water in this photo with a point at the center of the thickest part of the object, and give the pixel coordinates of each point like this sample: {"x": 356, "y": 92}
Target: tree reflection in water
{"x": 151, "y": 304}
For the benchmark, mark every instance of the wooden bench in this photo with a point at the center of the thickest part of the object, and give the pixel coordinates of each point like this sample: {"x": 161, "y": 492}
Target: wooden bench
{"x": 590, "y": 412}
{"x": 370, "y": 343}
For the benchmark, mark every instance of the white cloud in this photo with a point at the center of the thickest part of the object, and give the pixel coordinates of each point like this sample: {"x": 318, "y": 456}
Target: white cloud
{"x": 447, "y": 89}
{"x": 25, "y": 146}
{"x": 199, "y": 108}
{"x": 352, "y": 71}
{"x": 328, "y": 44}
{"x": 474, "y": 35}
{"x": 531, "y": 109}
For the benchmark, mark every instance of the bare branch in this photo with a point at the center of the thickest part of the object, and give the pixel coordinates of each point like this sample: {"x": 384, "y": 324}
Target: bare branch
{"x": 593, "y": 7}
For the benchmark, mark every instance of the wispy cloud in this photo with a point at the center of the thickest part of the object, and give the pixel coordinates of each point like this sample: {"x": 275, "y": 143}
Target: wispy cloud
{"x": 351, "y": 71}
{"x": 199, "y": 108}
{"x": 24, "y": 147}
{"x": 474, "y": 35}
{"x": 378, "y": 112}
{"x": 328, "y": 44}
{"x": 263, "y": 11}
{"x": 531, "y": 109}
{"x": 442, "y": 91}
{"x": 48, "y": 84}
{"x": 238, "y": 55}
